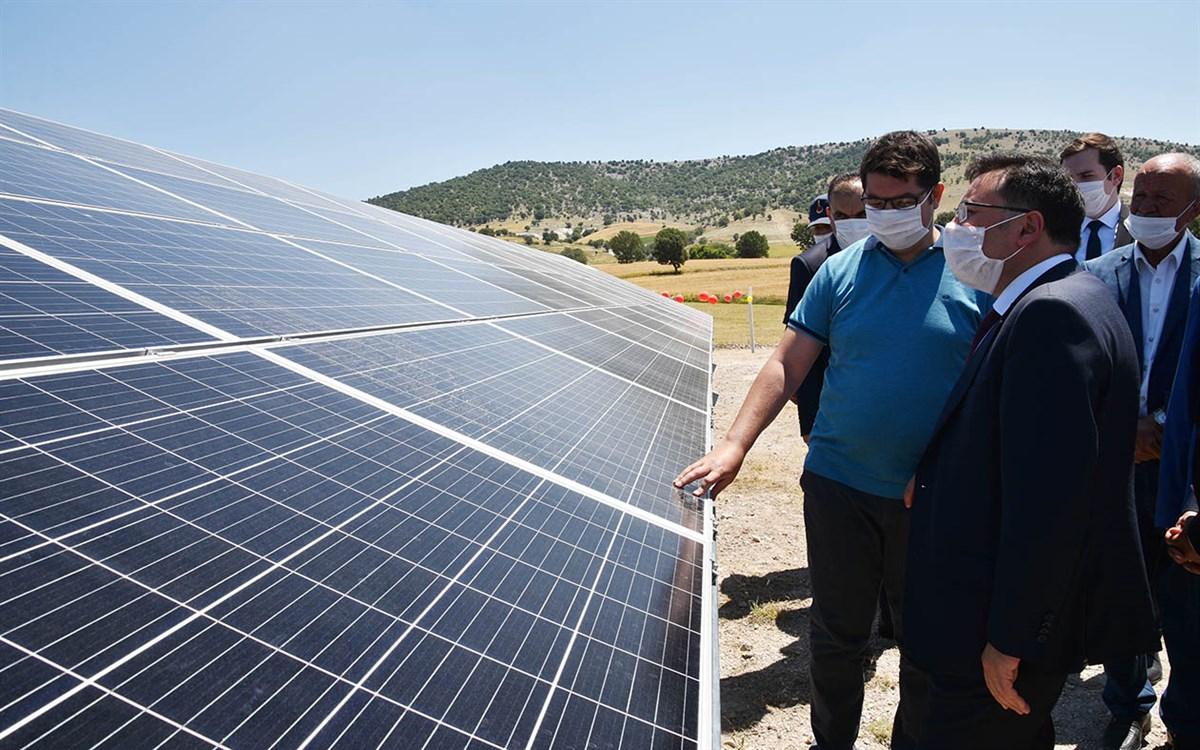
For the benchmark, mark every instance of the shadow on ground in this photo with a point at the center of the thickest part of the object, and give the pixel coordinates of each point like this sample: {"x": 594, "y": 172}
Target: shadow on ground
{"x": 777, "y": 586}
{"x": 747, "y": 697}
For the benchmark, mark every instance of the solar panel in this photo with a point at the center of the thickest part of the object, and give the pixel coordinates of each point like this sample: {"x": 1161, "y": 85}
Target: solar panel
{"x": 279, "y": 469}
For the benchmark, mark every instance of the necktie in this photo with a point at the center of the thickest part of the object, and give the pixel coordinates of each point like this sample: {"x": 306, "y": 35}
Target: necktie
{"x": 1093, "y": 247}
{"x": 985, "y": 325}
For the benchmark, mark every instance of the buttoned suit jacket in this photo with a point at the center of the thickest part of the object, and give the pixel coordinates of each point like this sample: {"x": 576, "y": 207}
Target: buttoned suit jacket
{"x": 1024, "y": 531}
{"x": 804, "y": 268}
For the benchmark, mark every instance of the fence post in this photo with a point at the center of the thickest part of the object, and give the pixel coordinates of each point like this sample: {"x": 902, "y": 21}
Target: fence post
{"x": 750, "y": 305}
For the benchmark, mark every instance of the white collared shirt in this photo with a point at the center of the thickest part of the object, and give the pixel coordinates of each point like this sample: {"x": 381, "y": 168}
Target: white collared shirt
{"x": 1108, "y": 232}
{"x": 1018, "y": 285}
{"x": 1155, "y": 284}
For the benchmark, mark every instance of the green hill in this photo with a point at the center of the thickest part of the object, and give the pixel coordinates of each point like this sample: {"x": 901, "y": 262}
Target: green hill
{"x": 702, "y": 191}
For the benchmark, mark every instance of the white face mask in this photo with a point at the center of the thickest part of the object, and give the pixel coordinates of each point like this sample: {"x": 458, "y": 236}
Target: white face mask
{"x": 1095, "y": 197}
{"x": 850, "y": 231}
{"x": 963, "y": 248}
{"x": 820, "y": 242}
{"x": 1155, "y": 232}
{"x": 898, "y": 228}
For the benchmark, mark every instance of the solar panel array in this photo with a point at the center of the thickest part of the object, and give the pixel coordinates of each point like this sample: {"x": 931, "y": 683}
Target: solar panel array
{"x": 279, "y": 469}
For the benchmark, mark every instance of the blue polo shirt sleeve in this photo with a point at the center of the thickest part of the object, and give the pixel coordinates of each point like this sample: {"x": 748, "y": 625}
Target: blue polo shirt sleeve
{"x": 814, "y": 313}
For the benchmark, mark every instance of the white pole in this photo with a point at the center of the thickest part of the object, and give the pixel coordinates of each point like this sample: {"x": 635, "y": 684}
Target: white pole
{"x": 750, "y": 305}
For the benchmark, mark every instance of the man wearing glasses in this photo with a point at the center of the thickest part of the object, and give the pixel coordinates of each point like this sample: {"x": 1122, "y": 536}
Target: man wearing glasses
{"x": 1024, "y": 561}
{"x": 898, "y": 327}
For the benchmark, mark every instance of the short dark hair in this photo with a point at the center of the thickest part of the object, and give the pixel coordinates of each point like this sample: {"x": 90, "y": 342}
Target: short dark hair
{"x": 903, "y": 154}
{"x": 1110, "y": 153}
{"x": 1039, "y": 184}
{"x": 837, "y": 184}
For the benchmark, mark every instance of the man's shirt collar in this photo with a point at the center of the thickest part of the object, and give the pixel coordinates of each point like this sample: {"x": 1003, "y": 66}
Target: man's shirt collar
{"x": 1018, "y": 285}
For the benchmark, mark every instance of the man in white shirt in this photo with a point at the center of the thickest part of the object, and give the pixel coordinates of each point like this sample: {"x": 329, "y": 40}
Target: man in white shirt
{"x": 1151, "y": 280}
{"x": 1096, "y": 165}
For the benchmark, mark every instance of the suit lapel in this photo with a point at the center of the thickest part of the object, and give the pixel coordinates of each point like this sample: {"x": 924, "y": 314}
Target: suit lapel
{"x": 970, "y": 370}
{"x": 1173, "y": 324}
{"x": 1130, "y": 297}
{"x": 976, "y": 359}
{"x": 1123, "y": 237}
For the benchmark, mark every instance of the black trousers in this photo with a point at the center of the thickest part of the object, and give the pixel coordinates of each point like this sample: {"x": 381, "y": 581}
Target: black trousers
{"x": 959, "y": 712}
{"x": 856, "y": 543}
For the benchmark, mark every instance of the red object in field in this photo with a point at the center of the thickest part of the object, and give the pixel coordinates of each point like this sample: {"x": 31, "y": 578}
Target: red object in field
{"x": 729, "y": 298}
{"x": 712, "y": 300}
{"x": 737, "y": 294}
{"x": 665, "y": 294}
{"x": 679, "y": 298}
{"x": 703, "y": 297}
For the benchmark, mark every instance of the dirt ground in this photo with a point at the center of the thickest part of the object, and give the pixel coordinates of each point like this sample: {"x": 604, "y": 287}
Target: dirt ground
{"x": 765, "y": 596}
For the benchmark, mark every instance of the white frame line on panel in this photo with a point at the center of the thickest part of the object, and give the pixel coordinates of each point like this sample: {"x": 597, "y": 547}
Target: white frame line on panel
{"x": 484, "y": 448}
{"x": 705, "y": 538}
{"x": 358, "y": 394}
{"x": 89, "y": 682}
{"x": 157, "y": 307}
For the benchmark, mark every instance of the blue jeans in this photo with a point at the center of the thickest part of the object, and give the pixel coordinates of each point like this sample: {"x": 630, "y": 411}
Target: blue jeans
{"x": 1180, "y": 598}
{"x": 1127, "y": 690}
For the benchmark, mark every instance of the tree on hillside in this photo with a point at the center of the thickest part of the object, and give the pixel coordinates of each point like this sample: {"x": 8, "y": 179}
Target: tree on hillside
{"x": 670, "y": 248}
{"x": 627, "y": 247}
{"x": 753, "y": 245}
{"x": 575, "y": 254}
{"x": 943, "y": 217}
{"x": 802, "y": 235}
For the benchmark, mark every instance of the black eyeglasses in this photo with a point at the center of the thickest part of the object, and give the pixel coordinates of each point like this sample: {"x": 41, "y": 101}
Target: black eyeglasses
{"x": 960, "y": 213}
{"x": 901, "y": 202}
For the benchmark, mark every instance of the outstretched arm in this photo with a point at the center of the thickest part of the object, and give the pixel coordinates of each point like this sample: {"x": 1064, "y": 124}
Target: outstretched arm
{"x": 776, "y": 382}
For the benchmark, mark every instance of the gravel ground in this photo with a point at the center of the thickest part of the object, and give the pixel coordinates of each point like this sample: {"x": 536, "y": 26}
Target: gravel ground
{"x": 765, "y": 596}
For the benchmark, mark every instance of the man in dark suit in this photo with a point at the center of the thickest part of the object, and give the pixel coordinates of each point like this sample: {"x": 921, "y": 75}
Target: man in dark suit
{"x": 1024, "y": 561}
{"x": 1179, "y": 591}
{"x": 1151, "y": 283}
{"x": 842, "y": 213}
{"x": 1095, "y": 163}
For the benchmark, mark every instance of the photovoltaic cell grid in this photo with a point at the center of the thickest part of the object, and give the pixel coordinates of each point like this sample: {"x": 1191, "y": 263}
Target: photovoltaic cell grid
{"x": 454, "y": 535}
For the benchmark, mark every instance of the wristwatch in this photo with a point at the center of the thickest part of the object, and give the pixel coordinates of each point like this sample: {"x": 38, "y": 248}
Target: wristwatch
{"x": 1160, "y": 417}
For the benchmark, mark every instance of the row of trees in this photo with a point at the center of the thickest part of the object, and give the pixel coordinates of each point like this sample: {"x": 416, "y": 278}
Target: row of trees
{"x": 671, "y": 247}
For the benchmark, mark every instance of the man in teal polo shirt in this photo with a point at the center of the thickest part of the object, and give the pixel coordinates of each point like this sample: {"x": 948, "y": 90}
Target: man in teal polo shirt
{"x": 899, "y": 327}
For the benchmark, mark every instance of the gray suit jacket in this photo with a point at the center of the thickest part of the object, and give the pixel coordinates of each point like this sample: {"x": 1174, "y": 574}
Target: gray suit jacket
{"x": 1118, "y": 272}
{"x": 1123, "y": 236}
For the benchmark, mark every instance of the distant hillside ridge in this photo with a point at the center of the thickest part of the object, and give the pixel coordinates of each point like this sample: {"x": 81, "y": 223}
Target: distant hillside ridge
{"x": 701, "y": 190}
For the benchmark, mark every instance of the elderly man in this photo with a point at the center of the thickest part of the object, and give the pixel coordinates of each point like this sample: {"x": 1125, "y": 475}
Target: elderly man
{"x": 1179, "y": 593}
{"x": 1024, "y": 560}
{"x": 1151, "y": 280}
{"x": 898, "y": 327}
{"x": 1095, "y": 163}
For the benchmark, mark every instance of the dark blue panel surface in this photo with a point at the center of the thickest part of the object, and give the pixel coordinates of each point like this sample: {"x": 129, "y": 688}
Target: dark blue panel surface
{"x": 444, "y": 280}
{"x": 39, "y": 172}
{"x": 245, "y": 283}
{"x": 213, "y": 550}
{"x": 44, "y": 312}
{"x": 239, "y": 555}
{"x": 113, "y": 150}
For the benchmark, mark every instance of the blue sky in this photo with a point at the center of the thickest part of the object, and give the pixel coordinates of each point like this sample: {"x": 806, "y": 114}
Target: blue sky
{"x": 364, "y": 98}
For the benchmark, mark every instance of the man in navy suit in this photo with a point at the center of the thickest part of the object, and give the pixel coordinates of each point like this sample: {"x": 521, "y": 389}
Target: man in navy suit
{"x": 1023, "y": 556}
{"x": 1177, "y": 512}
{"x": 1151, "y": 281}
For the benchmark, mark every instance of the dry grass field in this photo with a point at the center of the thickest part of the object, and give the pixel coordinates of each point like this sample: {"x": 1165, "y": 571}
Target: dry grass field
{"x": 768, "y": 276}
